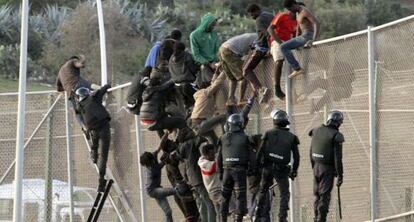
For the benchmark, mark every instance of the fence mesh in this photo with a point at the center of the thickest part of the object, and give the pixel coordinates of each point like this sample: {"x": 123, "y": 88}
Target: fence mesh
{"x": 336, "y": 77}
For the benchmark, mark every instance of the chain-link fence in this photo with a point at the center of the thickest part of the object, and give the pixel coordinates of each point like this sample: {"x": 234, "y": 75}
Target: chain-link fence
{"x": 337, "y": 77}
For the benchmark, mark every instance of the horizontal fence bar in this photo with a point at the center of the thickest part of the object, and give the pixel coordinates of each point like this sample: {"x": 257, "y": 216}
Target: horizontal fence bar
{"x": 119, "y": 87}
{"x": 393, "y": 217}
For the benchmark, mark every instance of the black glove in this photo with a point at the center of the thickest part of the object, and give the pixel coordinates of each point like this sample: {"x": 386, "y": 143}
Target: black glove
{"x": 293, "y": 174}
{"x": 339, "y": 180}
{"x": 221, "y": 176}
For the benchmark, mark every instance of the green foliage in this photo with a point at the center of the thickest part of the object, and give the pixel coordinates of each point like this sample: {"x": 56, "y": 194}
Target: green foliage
{"x": 339, "y": 18}
{"x": 9, "y": 63}
{"x": 59, "y": 29}
{"x": 80, "y": 35}
{"x": 384, "y": 11}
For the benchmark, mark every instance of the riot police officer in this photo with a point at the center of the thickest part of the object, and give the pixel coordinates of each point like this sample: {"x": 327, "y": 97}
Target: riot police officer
{"x": 96, "y": 121}
{"x": 274, "y": 156}
{"x": 326, "y": 160}
{"x": 234, "y": 160}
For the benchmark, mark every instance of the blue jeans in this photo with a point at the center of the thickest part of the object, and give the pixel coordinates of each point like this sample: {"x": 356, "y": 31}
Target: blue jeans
{"x": 295, "y": 43}
{"x": 160, "y": 195}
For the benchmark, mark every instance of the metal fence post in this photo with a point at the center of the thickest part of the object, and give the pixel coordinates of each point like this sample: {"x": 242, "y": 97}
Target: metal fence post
{"x": 289, "y": 111}
{"x": 19, "y": 171}
{"x": 408, "y": 202}
{"x": 48, "y": 164}
{"x": 69, "y": 156}
{"x": 102, "y": 39}
{"x": 372, "y": 122}
{"x": 140, "y": 150}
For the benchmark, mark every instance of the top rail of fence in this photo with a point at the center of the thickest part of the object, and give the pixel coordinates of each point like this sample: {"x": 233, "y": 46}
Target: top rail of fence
{"x": 321, "y": 42}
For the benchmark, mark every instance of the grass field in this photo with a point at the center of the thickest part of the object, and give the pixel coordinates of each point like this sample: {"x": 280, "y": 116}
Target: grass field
{"x": 7, "y": 85}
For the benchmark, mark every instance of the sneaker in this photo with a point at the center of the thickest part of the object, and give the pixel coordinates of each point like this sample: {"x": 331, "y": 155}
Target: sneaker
{"x": 296, "y": 73}
{"x": 263, "y": 94}
{"x": 102, "y": 185}
{"x": 94, "y": 156}
{"x": 279, "y": 94}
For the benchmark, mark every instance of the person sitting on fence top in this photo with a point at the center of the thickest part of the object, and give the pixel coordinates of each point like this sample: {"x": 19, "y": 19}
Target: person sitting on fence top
{"x": 161, "y": 51}
{"x": 204, "y": 47}
{"x": 282, "y": 28}
{"x": 152, "y": 58}
{"x": 309, "y": 27}
{"x": 69, "y": 78}
{"x": 96, "y": 121}
{"x": 153, "y": 182}
{"x": 183, "y": 72}
{"x": 231, "y": 53}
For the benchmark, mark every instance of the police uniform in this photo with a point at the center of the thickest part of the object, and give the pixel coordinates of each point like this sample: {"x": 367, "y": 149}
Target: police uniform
{"x": 275, "y": 156}
{"x": 234, "y": 160}
{"x": 96, "y": 119}
{"x": 326, "y": 160}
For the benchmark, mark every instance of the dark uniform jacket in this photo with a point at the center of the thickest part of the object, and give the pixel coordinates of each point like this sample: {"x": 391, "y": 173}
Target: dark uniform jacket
{"x": 235, "y": 150}
{"x": 93, "y": 112}
{"x": 277, "y": 147}
{"x": 326, "y": 147}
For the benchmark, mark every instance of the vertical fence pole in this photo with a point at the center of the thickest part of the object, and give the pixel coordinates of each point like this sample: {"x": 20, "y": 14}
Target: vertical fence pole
{"x": 289, "y": 111}
{"x": 48, "y": 164}
{"x": 140, "y": 150}
{"x": 18, "y": 175}
{"x": 69, "y": 156}
{"x": 372, "y": 123}
{"x": 102, "y": 39}
{"x": 408, "y": 202}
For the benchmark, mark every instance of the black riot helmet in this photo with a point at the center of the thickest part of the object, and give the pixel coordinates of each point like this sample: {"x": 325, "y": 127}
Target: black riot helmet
{"x": 335, "y": 118}
{"x": 235, "y": 123}
{"x": 280, "y": 118}
{"x": 82, "y": 93}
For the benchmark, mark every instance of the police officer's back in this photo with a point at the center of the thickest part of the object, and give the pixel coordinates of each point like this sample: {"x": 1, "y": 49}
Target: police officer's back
{"x": 234, "y": 159}
{"x": 326, "y": 160}
{"x": 275, "y": 155}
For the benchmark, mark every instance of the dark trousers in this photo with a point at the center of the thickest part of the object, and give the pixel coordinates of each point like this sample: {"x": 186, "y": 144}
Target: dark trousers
{"x": 323, "y": 182}
{"x": 186, "y": 203}
{"x": 160, "y": 195}
{"x": 187, "y": 91}
{"x": 234, "y": 179}
{"x": 253, "y": 60}
{"x": 101, "y": 138}
{"x": 280, "y": 174}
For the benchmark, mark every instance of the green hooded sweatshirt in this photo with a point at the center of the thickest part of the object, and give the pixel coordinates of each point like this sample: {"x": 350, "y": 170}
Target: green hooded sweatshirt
{"x": 205, "y": 45}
